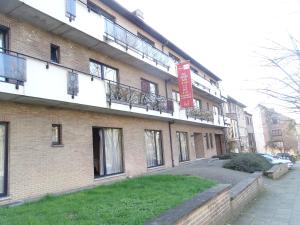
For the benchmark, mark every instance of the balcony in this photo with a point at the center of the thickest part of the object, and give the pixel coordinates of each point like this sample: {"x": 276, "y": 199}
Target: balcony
{"x": 133, "y": 97}
{"x": 206, "y": 87}
{"x": 31, "y": 80}
{"x": 93, "y": 31}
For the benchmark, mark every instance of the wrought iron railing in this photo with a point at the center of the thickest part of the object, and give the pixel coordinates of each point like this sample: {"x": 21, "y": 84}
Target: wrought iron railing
{"x": 124, "y": 94}
{"x": 197, "y": 113}
{"x": 130, "y": 40}
{"x": 12, "y": 67}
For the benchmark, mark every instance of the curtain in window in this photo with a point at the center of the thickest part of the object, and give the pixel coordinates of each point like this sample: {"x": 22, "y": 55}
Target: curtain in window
{"x": 113, "y": 150}
{"x": 2, "y": 157}
{"x": 183, "y": 146}
{"x": 150, "y": 149}
{"x": 153, "y": 148}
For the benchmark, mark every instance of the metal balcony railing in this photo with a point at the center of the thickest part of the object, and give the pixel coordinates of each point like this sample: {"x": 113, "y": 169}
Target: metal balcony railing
{"x": 124, "y": 94}
{"x": 197, "y": 113}
{"x": 130, "y": 40}
{"x": 12, "y": 67}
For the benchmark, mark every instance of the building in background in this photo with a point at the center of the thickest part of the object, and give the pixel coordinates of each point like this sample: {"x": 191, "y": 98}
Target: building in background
{"x": 89, "y": 94}
{"x": 250, "y": 131}
{"x": 274, "y": 132}
{"x": 240, "y": 133}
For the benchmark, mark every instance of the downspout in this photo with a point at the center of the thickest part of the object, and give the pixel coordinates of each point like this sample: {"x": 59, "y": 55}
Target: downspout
{"x": 171, "y": 142}
{"x": 170, "y": 130}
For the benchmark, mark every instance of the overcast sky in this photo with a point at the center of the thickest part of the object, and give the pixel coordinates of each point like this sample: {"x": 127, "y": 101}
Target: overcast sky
{"x": 226, "y": 36}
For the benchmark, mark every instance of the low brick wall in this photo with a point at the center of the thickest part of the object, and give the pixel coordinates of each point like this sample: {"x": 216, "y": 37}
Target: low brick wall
{"x": 277, "y": 171}
{"x": 214, "y": 206}
{"x": 244, "y": 192}
{"x": 208, "y": 207}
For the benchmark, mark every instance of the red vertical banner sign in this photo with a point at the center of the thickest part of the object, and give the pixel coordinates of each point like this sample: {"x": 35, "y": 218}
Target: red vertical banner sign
{"x": 185, "y": 85}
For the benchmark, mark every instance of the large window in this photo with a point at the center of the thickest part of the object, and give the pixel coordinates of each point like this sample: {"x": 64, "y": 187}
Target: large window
{"x": 183, "y": 146}
{"x": 107, "y": 148}
{"x": 149, "y": 87}
{"x": 105, "y": 72}
{"x": 3, "y": 159}
{"x": 154, "y": 149}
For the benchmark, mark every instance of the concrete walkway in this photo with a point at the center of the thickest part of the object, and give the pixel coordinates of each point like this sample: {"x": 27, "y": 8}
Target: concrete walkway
{"x": 210, "y": 169}
{"x": 279, "y": 204}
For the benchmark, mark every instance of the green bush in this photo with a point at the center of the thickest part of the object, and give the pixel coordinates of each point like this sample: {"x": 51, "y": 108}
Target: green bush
{"x": 248, "y": 162}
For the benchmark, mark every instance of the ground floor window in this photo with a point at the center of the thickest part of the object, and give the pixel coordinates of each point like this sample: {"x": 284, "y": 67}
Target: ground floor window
{"x": 3, "y": 159}
{"x": 107, "y": 148}
{"x": 183, "y": 146}
{"x": 153, "y": 140}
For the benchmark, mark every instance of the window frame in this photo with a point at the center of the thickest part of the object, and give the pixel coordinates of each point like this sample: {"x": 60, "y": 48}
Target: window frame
{"x": 5, "y": 30}
{"x": 57, "y": 49}
{"x": 161, "y": 147}
{"x": 180, "y": 146}
{"x": 150, "y": 82}
{"x": 276, "y": 132}
{"x": 102, "y": 70}
{"x": 176, "y": 93}
{"x": 104, "y": 152}
{"x": 59, "y": 142}
{"x": 5, "y": 177}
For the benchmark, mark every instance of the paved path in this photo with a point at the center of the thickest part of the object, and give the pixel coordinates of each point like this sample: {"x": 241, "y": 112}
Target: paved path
{"x": 210, "y": 169}
{"x": 279, "y": 204}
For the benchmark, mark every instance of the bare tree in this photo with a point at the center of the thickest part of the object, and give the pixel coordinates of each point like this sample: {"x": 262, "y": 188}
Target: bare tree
{"x": 284, "y": 86}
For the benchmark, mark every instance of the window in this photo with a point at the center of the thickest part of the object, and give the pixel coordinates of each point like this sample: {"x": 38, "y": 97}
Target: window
{"x": 175, "y": 59}
{"x": 56, "y": 134}
{"x": 175, "y": 96}
{"x": 95, "y": 8}
{"x": 207, "y": 141}
{"x": 103, "y": 71}
{"x": 71, "y": 9}
{"x": 275, "y": 121}
{"x": 149, "y": 87}
{"x": 107, "y": 151}
{"x": 183, "y": 146}
{"x": 197, "y": 103}
{"x": 276, "y": 132}
{"x": 145, "y": 39}
{"x": 154, "y": 149}
{"x": 211, "y": 140}
{"x": 55, "y": 53}
{"x": 3, "y": 159}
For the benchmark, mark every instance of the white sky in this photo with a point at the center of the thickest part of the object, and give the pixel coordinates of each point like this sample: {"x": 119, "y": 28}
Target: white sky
{"x": 226, "y": 36}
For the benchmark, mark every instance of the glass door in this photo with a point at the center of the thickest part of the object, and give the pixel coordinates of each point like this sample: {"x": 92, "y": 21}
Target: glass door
{"x": 3, "y": 159}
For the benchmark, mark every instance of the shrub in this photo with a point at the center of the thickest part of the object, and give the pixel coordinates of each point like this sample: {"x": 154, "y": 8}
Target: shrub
{"x": 248, "y": 162}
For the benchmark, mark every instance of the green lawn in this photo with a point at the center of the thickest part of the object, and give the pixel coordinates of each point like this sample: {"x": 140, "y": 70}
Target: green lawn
{"x": 127, "y": 202}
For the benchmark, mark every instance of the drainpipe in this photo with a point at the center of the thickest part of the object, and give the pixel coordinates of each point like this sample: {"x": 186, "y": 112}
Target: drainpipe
{"x": 171, "y": 142}
{"x": 170, "y": 130}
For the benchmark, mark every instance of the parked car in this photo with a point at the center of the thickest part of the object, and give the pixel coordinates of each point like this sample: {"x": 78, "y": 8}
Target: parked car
{"x": 273, "y": 160}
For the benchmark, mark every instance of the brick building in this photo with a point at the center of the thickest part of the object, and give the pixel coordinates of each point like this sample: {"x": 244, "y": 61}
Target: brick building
{"x": 240, "y": 133}
{"x": 89, "y": 93}
{"x": 275, "y": 132}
